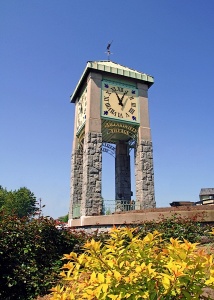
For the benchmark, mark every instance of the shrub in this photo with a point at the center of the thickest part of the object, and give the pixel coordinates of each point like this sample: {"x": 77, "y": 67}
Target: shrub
{"x": 129, "y": 267}
{"x": 178, "y": 226}
{"x": 30, "y": 253}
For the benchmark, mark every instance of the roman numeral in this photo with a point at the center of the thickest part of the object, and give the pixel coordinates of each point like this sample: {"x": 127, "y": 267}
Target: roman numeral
{"x": 113, "y": 89}
{"x": 133, "y": 104}
{"x": 112, "y": 111}
{"x": 131, "y": 98}
{"x": 107, "y": 105}
{"x": 106, "y": 98}
{"x": 109, "y": 93}
{"x": 131, "y": 111}
{"x": 120, "y": 115}
{"x": 120, "y": 89}
{"x": 127, "y": 115}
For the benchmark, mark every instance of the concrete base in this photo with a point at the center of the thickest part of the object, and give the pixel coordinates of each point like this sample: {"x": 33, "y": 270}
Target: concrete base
{"x": 202, "y": 213}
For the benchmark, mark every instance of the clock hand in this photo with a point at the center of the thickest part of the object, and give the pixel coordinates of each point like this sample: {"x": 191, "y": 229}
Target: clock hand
{"x": 120, "y": 101}
{"x": 125, "y": 103}
{"x": 123, "y": 96}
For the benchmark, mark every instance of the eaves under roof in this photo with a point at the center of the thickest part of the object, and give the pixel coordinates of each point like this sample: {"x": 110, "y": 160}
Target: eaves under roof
{"x": 113, "y": 68}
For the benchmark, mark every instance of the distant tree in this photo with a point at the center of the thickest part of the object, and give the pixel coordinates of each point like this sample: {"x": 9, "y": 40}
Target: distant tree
{"x": 63, "y": 219}
{"x": 3, "y": 193}
{"x": 21, "y": 202}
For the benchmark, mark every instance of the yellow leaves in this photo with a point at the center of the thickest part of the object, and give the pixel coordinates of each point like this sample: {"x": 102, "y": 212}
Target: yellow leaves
{"x": 127, "y": 267}
{"x": 101, "y": 278}
{"x": 93, "y": 245}
{"x": 148, "y": 238}
{"x": 57, "y": 289}
{"x": 166, "y": 281}
{"x": 212, "y": 232}
{"x": 138, "y": 269}
{"x": 117, "y": 275}
{"x": 210, "y": 281}
{"x": 71, "y": 256}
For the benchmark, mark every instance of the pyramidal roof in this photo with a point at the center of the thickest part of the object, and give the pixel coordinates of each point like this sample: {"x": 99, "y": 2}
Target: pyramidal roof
{"x": 113, "y": 68}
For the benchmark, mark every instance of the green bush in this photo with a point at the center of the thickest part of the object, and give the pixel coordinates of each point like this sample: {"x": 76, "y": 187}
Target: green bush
{"x": 179, "y": 227}
{"x": 30, "y": 252}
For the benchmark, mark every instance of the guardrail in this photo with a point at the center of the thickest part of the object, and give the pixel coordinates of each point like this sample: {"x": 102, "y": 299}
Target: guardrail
{"x": 109, "y": 207}
{"x": 112, "y": 206}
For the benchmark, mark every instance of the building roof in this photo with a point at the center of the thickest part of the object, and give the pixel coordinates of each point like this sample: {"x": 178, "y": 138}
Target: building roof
{"x": 206, "y": 191}
{"x": 113, "y": 68}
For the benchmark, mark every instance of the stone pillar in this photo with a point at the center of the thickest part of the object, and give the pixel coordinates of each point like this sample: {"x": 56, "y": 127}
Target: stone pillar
{"x": 144, "y": 175}
{"x": 122, "y": 177}
{"x": 76, "y": 173}
{"x": 91, "y": 203}
{"x": 76, "y": 183}
{"x": 144, "y": 172}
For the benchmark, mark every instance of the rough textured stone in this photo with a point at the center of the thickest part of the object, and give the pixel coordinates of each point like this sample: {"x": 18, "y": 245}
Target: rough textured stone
{"x": 144, "y": 175}
{"x": 91, "y": 203}
{"x": 76, "y": 180}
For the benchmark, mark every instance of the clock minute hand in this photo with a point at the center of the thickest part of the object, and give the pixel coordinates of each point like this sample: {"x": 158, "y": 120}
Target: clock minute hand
{"x": 120, "y": 100}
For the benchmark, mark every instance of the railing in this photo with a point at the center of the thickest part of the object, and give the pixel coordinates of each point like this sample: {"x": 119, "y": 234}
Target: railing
{"x": 112, "y": 206}
{"x": 109, "y": 207}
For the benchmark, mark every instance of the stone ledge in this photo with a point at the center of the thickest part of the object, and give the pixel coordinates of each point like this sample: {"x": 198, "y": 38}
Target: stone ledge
{"x": 204, "y": 214}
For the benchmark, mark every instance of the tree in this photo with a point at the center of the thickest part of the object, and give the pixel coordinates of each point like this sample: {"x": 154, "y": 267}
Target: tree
{"x": 21, "y": 202}
{"x": 63, "y": 219}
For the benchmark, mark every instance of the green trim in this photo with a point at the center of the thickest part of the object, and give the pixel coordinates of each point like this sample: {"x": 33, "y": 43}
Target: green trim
{"x": 111, "y": 68}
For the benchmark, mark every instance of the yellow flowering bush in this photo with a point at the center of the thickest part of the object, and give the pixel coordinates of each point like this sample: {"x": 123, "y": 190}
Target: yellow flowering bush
{"x": 127, "y": 267}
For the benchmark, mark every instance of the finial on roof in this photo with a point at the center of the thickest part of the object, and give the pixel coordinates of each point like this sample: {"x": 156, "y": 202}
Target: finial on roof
{"x": 108, "y": 51}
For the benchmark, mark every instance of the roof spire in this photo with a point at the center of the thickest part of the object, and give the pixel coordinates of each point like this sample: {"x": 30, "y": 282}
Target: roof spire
{"x": 108, "y": 51}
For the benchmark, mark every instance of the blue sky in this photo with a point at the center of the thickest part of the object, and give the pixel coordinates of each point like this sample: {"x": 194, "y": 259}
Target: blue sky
{"x": 44, "y": 47}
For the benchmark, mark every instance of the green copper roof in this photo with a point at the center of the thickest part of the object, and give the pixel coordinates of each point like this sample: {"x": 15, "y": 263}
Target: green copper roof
{"x": 113, "y": 68}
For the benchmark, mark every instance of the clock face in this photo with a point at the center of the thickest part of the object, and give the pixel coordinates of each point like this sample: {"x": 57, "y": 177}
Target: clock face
{"x": 81, "y": 110}
{"x": 120, "y": 101}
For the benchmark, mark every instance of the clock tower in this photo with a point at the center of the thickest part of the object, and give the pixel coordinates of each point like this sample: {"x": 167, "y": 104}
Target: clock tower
{"x": 111, "y": 107}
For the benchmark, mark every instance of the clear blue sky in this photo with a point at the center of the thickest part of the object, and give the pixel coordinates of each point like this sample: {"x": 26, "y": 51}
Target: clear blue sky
{"x": 44, "y": 47}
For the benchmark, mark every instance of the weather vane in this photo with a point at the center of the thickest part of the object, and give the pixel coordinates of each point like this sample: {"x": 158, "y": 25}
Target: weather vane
{"x": 108, "y": 51}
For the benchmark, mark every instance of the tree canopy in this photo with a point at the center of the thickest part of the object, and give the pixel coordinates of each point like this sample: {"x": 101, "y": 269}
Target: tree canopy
{"x": 21, "y": 202}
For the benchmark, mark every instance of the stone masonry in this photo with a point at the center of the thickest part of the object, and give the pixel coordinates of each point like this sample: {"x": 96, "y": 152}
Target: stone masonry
{"x": 122, "y": 177}
{"x": 144, "y": 175}
{"x": 91, "y": 202}
{"x": 76, "y": 181}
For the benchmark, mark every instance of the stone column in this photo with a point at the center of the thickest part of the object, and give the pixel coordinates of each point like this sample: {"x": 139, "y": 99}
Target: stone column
{"x": 145, "y": 196}
{"x": 91, "y": 203}
{"x": 122, "y": 177}
{"x": 144, "y": 172}
{"x": 76, "y": 174}
{"x": 76, "y": 183}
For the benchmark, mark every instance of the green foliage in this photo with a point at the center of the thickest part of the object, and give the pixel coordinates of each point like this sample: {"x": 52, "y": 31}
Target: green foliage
{"x": 30, "y": 252}
{"x": 128, "y": 266}
{"x": 177, "y": 226}
{"x": 63, "y": 219}
{"x": 20, "y": 203}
